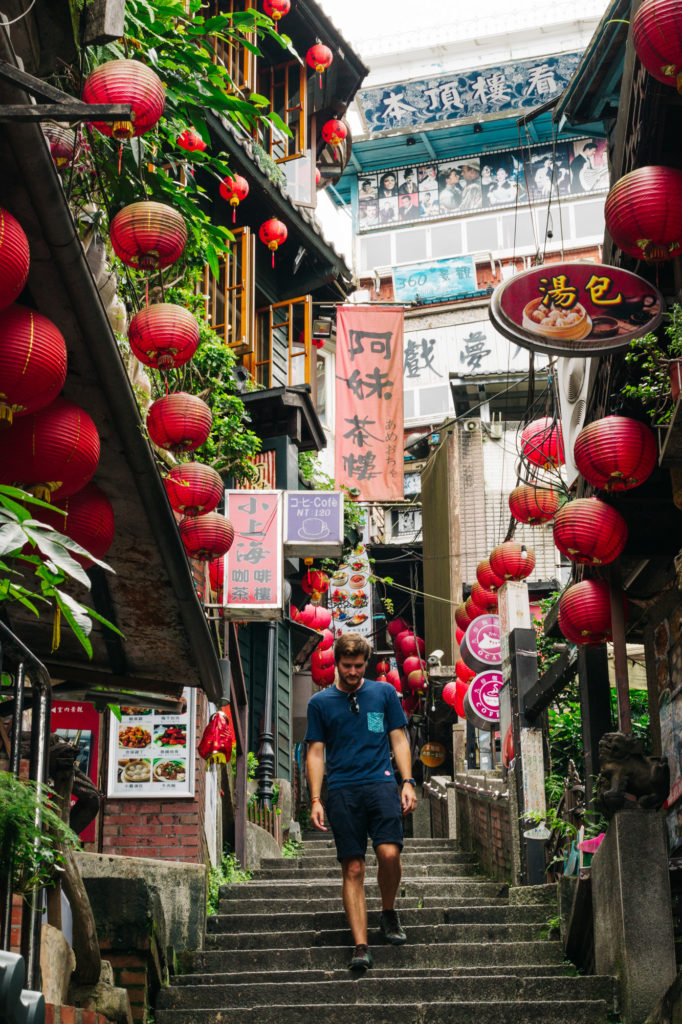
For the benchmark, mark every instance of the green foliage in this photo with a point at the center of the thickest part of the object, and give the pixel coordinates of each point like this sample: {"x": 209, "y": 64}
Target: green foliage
{"x": 228, "y": 871}
{"x": 33, "y": 850}
{"x": 251, "y": 763}
{"x": 36, "y": 561}
{"x": 653, "y": 357}
{"x": 353, "y": 513}
{"x": 292, "y": 848}
{"x": 548, "y": 650}
{"x": 303, "y": 817}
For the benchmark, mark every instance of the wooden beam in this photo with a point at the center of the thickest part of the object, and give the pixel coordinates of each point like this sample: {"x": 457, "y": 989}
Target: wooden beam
{"x": 71, "y": 112}
{"x": 551, "y": 683}
{"x": 96, "y": 677}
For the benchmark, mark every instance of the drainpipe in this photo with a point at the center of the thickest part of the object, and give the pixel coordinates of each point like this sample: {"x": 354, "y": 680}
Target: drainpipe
{"x": 266, "y": 747}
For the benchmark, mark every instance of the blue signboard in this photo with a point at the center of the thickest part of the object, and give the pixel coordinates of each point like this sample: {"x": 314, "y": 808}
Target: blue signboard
{"x": 469, "y": 94}
{"x": 443, "y": 279}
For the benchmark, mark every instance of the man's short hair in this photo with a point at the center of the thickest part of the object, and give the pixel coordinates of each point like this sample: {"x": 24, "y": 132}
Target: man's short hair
{"x": 351, "y": 645}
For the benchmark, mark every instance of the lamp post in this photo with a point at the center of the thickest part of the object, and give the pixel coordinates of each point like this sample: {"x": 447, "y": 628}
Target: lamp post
{"x": 266, "y": 747}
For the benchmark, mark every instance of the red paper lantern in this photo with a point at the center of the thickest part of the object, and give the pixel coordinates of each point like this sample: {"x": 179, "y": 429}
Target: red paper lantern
{"x": 322, "y": 667}
{"x": 410, "y": 645}
{"x": 63, "y": 142}
{"x": 318, "y": 177}
{"x": 206, "y": 537}
{"x": 410, "y": 703}
{"x": 461, "y": 616}
{"x": 450, "y": 693}
{"x": 316, "y": 583}
{"x": 126, "y": 81}
{"x": 383, "y": 667}
{"x": 216, "y": 575}
{"x": 32, "y": 362}
{"x": 234, "y": 189}
{"x": 53, "y": 452}
{"x": 164, "y": 335}
{"x": 334, "y": 132}
{"x": 643, "y": 213}
{"x": 327, "y": 641}
{"x": 461, "y": 689}
{"x": 14, "y": 259}
{"x": 508, "y": 747}
{"x": 319, "y": 57}
{"x": 179, "y": 422}
{"x": 89, "y": 521}
{"x": 273, "y": 233}
{"x": 542, "y": 443}
{"x": 512, "y": 561}
{"x": 413, "y": 664}
{"x": 585, "y": 612}
{"x": 486, "y": 577}
{"x": 590, "y": 532}
{"x": 314, "y": 616}
{"x": 463, "y": 671}
{"x": 531, "y": 504}
{"x": 397, "y": 626}
{"x": 473, "y": 610}
{"x": 191, "y": 141}
{"x": 193, "y": 488}
{"x": 218, "y": 739}
{"x": 276, "y": 9}
{"x": 459, "y": 634}
{"x": 417, "y": 681}
{"x": 148, "y": 235}
{"x": 616, "y": 453}
{"x": 486, "y": 599}
{"x": 393, "y": 677}
{"x": 657, "y": 42}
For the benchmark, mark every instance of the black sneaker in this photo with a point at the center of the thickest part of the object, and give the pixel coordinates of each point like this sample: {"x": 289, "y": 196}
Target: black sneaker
{"x": 361, "y": 959}
{"x": 391, "y": 928}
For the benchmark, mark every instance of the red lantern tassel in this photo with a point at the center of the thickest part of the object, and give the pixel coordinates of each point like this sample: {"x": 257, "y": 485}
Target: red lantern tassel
{"x": 320, "y": 80}
{"x": 273, "y": 259}
{"x": 234, "y": 214}
{"x": 120, "y": 157}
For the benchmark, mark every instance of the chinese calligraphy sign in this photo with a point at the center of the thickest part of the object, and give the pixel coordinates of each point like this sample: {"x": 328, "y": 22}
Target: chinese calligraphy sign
{"x": 253, "y": 565}
{"x": 369, "y": 401}
{"x": 567, "y": 309}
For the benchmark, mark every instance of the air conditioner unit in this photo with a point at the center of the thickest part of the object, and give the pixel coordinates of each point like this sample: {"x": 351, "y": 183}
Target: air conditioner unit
{"x": 575, "y": 378}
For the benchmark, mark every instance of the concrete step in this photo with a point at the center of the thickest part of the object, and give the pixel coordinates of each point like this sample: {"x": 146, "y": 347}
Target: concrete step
{"x": 522, "y": 1012}
{"x": 396, "y": 990}
{"x": 335, "y": 918}
{"x": 414, "y": 869}
{"x": 416, "y": 934}
{"x": 327, "y": 842}
{"x": 447, "y": 888}
{"x": 310, "y": 904}
{"x": 425, "y": 857}
{"x": 310, "y": 975}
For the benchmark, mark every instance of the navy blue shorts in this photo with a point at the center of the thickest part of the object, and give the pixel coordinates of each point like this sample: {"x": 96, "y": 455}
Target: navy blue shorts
{"x": 354, "y": 812}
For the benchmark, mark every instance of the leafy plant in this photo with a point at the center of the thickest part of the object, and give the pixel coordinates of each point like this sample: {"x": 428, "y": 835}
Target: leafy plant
{"x": 292, "y": 848}
{"x": 226, "y": 873}
{"x": 653, "y": 357}
{"x": 353, "y": 513}
{"x": 32, "y": 851}
{"x": 548, "y": 650}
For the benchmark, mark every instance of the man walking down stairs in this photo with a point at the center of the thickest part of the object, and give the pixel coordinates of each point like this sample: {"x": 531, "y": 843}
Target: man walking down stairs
{"x": 277, "y": 952}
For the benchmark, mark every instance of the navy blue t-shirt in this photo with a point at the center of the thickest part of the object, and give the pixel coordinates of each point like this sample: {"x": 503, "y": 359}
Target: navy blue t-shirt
{"x": 357, "y": 746}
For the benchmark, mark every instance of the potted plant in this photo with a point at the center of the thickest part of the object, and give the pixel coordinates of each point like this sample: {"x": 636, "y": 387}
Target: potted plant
{"x": 660, "y": 362}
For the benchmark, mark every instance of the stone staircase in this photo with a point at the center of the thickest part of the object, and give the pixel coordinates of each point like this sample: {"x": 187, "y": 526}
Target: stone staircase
{"x": 277, "y": 952}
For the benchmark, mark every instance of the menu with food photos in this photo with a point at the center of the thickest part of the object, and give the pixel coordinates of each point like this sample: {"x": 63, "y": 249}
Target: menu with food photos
{"x": 151, "y": 753}
{"x": 350, "y": 594}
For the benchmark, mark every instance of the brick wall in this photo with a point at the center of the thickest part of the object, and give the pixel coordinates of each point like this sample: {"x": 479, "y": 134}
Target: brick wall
{"x": 72, "y": 1015}
{"x": 483, "y": 822}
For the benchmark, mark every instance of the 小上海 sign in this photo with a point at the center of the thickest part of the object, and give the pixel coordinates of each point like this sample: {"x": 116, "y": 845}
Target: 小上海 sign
{"x": 575, "y": 309}
{"x": 482, "y": 699}
{"x": 313, "y": 523}
{"x": 253, "y": 566}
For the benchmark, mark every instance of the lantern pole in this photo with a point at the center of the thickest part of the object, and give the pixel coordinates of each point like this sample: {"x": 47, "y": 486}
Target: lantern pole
{"x": 266, "y": 749}
{"x": 620, "y": 656}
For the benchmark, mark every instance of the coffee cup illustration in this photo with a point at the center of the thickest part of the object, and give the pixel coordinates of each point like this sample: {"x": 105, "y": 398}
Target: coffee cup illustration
{"x": 313, "y": 529}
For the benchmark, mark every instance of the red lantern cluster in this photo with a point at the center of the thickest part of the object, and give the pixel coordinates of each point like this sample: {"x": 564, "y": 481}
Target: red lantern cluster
{"x": 191, "y": 141}
{"x": 316, "y": 583}
{"x": 656, "y": 38}
{"x": 616, "y": 453}
{"x": 542, "y": 443}
{"x": 179, "y": 422}
{"x": 532, "y": 504}
{"x": 193, "y": 488}
{"x": 643, "y": 213}
{"x": 164, "y": 335}
{"x": 409, "y": 649}
{"x": 14, "y": 259}
{"x": 273, "y": 233}
{"x": 234, "y": 189}
{"x": 585, "y": 613}
{"x": 207, "y": 536}
{"x": 314, "y": 616}
{"x": 126, "y": 81}
{"x": 512, "y": 561}
{"x": 148, "y": 235}
{"x": 32, "y": 362}
{"x": 590, "y": 532}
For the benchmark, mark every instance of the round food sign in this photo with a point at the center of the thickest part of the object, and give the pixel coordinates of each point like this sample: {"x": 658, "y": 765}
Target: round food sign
{"x": 480, "y": 647}
{"x": 482, "y": 699}
{"x": 575, "y": 309}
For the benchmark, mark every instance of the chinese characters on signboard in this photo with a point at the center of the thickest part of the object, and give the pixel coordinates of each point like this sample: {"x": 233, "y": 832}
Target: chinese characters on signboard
{"x": 470, "y": 94}
{"x": 443, "y": 279}
{"x": 313, "y": 523}
{"x": 77, "y": 722}
{"x": 369, "y": 401}
{"x": 151, "y": 753}
{"x": 253, "y": 565}
{"x": 462, "y": 185}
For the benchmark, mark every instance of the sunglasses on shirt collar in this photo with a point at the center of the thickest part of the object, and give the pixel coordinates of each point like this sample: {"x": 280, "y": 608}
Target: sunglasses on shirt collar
{"x": 353, "y": 703}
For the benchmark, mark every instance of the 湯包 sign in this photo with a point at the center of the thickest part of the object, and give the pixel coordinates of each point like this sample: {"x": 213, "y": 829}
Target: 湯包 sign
{"x": 252, "y": 586}
{"x": 575, "y": 309}
{"x": 313, "y": 523}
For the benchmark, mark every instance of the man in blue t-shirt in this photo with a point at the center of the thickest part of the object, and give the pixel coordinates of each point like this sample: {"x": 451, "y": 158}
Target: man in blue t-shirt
{"x": 357, "y": 722}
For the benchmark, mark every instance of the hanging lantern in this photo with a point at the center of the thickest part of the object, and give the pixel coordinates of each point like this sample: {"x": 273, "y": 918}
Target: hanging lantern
{"x": 512, "y": 561}
{"x": 216, "y": 575}
{"x": 656, "y": 38}
{"x": 508, "y": 747}
{"x": 487, "y": 578}
{"x": 322, "y": 667}
{"x": 32, "y": 362}
{"x": 416, "y": 681}
{"x": 52, "y": 453}
{"x": 314, "y": 616}
{"x": 273, "y": 233}
{"x": 450, "y": 693}
{"x": 383, "y": 667}
{"x": 63, "y": 142}
{"x": 590, "y": 532}
{"x": 643, "y": 213}
{"x": 319, "y": 57}
{"x": 207, "y": 536}
{"x": 218, "y": 739}
{"x": 179, "y": 422}
{"x": 616, "y": 453}
{"x": 461, "y": 690}
{"x": 234, "y": 189}
{"x": 459, "y": 634}
{"x": 89, "y": 521}
{"x": 191, "y": 141}
{"x": 193, "y": 488}
{"x": 318, "y": 177}
{"x": 148, "y": 235}
{"x": 410, "y": 703}
{"x": 486, "y": 599}
{"x": 14, "y": 259}
{"x": 542, "y": 443}
{"x": 126, "y": 81}
{"x": 393, "y": 677}
{"x": 164, "y": 335}
{"x": 408, "y": 645}
{"x": 276, "y": 9}
{"x": 432, "y": 754}
{"x": 472, "y": 609}
{"x": 531, "y": 504}
{"x": 316, "y": 583}
{"x": 334, "y": 132}
{"x": 464, "y": 672}
{"x": 413, "y": 664}
{"x": 585, "y": 613}
{"x": 461, "y": 616}
{"x": 397, "y": 626}
{"x": 327, "y": 641}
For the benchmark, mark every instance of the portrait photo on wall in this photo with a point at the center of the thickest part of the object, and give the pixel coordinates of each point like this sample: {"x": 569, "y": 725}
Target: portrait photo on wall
{"x": 367, "y": 187}
{"x": 388, "y": 184}
{"x": 388, "y": 210}
{"x": 408, "y": 207}
{"x": 427, "y": 178}
{"x": 368, "y": 213}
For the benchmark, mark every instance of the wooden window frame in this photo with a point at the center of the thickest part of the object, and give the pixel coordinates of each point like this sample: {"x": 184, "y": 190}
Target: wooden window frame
{"x": 267, "y": 84}
{"x": 261, "y": 356}
{"x": 237, "y": 278}
{"x": 239, "y": 61}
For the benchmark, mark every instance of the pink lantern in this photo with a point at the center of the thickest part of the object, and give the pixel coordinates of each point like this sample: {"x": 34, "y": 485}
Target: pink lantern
{"x": 396, "y": 626}
{"x": 393, "y": 677}
{"x": 327, "y": 641}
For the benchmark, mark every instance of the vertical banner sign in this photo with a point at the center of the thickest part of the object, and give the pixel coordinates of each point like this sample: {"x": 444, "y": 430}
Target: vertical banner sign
{"x": 253, "y": 565}
{"x": 369, "y": 401}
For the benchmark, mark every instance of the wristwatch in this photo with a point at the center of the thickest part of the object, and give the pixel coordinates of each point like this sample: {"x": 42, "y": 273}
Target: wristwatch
{"x": 411, "y": 782}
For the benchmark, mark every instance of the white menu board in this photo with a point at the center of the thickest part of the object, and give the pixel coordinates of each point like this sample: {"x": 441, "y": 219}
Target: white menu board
{"x": 350, "y": 594}
{"x": 151, "y": 753}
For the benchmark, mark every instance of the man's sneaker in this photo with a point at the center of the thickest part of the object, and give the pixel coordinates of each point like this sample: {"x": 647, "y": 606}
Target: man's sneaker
{"x": 391, "y": 928}
{"x": 361, "y": 959}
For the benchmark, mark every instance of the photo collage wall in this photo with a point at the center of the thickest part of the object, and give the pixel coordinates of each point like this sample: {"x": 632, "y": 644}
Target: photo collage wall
{"x": 448, "y": 188}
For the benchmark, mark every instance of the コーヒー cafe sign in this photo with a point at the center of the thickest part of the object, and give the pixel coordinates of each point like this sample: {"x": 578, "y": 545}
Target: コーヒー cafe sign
{"x": 568, "y": 309}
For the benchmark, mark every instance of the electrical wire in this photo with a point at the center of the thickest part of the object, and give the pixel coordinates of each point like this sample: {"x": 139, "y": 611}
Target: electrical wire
{"x": 6, "y": 24}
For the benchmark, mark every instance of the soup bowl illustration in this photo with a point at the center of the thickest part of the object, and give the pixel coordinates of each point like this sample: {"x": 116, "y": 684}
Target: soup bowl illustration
{"x": 553, "y": 322}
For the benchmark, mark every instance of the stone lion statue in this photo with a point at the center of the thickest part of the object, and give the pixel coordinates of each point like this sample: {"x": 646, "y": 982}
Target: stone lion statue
{"x": 627, "y": 778}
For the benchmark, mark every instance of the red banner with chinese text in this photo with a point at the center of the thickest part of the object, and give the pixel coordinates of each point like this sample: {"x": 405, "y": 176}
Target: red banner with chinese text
{"x": 369, "y": 401}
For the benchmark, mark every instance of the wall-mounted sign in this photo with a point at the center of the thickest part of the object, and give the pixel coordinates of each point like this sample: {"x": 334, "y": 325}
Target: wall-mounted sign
{"x": 570, "y": 309}
{"x": 252, "y": 587}
{"x": 481, "y": 646}
{"x": 441, "y": 279}
{"x": 350, "y": 594}
{"x": 313, "y": 523}
{"x": 482, "y": 699}
{"x": 151, "y": 753}
{"x": 77, "y": 722}
{"x": 470, "y": 94}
